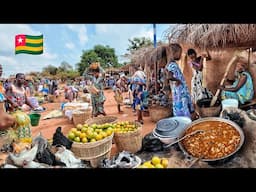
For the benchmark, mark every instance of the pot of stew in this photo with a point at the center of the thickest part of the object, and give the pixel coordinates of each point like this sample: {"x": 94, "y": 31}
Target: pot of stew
{"x": 219, "y": 140}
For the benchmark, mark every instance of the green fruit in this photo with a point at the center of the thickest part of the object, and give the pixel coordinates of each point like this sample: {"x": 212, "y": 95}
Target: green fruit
{"x": 77, "y": 139}
{"x": 83, "y": 130}
{"x": 71, "y": 135}
{"x": 84, "y": 140}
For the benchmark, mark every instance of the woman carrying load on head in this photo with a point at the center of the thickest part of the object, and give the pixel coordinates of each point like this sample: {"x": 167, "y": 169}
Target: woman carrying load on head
{"x": 97, "y": 97}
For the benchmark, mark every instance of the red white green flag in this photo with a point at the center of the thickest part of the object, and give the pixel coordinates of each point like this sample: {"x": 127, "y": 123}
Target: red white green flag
{"x": 29, "y": 44}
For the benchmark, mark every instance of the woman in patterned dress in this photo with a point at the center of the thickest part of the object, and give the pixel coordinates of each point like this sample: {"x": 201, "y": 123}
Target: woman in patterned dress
{"x": 242, "y": 88}
{"x": 182, "y": 104}
{"x": 17, "y": 98}
{"x": 98, "y": 98}
{"x": 198, "y": 92}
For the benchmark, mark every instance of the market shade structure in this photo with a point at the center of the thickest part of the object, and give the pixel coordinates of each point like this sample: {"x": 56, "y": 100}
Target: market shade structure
{"x": 214, "y": 36}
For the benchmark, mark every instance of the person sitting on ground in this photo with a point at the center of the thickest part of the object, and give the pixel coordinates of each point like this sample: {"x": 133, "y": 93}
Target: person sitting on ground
{"x": 242, "y": 87}
{"x": 71, "y": 93}
{"x": 16, "y": 95}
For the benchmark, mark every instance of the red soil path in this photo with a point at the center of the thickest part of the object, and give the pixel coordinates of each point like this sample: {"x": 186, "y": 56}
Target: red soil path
{"x": 48, "y": 127}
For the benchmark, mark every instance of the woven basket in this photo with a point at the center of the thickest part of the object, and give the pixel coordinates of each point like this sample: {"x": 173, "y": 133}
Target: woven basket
{"x": 131, "y": 142}
{"x": 85, "y": 99}
{"x": 81, "y": 116}
{"x": 90, "y": 151}
{"x": 158, "y": 112}
{"x": 101, "y": 120}
{"x": 95, "y": 162}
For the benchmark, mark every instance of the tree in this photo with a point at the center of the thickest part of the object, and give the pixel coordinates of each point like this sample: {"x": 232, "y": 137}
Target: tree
{"x": 103, "y": 54}
{"x": 86, "y": 59}
{"x": 65, "y": 66}
{"x": 64, "y": 75}
{"x": 107, "y": 56}
{"x": 50, "y": 69}
{"x": 137, "y": 43}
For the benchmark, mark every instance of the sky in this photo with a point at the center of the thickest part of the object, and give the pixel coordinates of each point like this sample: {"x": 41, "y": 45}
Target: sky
{"x": 66, "y": 42}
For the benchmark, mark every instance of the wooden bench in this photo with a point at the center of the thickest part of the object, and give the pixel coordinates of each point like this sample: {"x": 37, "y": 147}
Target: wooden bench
{"x": 248, "y": 105}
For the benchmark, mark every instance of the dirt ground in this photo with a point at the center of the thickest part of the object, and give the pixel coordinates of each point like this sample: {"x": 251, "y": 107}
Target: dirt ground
{"x": 47, "y": 127}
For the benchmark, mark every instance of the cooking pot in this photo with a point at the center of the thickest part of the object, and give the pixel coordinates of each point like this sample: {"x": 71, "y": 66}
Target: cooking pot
{"x": 216, "y": 160}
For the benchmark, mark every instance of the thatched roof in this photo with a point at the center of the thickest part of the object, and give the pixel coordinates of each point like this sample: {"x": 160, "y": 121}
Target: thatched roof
{"x": 126, "y": 67}
{"x": 113, "y": 69}
{"x": 214, "y": 36}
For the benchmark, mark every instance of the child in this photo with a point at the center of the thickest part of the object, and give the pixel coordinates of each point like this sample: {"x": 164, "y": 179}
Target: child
{"x": 119, "y": 98}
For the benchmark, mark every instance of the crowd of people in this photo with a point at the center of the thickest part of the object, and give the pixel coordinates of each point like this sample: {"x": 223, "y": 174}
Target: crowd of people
{"x": 19, "y": 92}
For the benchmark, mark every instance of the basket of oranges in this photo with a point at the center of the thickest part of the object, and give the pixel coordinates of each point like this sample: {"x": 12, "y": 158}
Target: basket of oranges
{"x": 128, "y": 136}
{"x": 91, "y": 141}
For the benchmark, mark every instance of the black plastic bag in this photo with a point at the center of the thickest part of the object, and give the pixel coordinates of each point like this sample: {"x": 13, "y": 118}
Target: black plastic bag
{"x": 152, "y": 144}
{"x": 60, "y": 139}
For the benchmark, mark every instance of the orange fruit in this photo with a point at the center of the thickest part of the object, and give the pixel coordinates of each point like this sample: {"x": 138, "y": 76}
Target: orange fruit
{"x": 164, "y": 162}
{"x": 82, "y": 135}
{"x": 156, "y": 160}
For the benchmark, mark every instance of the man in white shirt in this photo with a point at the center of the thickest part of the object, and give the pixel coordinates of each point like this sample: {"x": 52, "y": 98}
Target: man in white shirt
{"x": 139, "y": 73}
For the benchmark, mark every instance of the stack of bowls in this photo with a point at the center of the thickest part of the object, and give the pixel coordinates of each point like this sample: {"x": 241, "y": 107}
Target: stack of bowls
{"x": 169, "y": 129}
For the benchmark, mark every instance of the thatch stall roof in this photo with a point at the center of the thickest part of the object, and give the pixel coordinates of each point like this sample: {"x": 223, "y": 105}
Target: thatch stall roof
{"x": 126, "y": 67}
{"x": 222, "y": 40}
{"x": 214, "y": 36}
{"x": 152, "y": 56}
{"x": 112, "y": 69}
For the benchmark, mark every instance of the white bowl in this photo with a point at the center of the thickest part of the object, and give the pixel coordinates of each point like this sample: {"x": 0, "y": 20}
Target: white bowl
{"x": 229, "y": 103}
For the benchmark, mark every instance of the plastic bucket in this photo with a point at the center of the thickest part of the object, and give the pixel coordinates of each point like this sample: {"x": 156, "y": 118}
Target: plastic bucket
{"x": 34, "y": 118}
{"x": 229, "y": 103}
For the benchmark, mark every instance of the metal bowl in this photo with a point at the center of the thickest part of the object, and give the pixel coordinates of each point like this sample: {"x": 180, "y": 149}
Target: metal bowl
{"x": 234, "y": 125}
{"x": 169, "y": 129}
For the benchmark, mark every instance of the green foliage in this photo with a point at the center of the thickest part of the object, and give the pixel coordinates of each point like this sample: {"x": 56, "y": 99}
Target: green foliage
{"x": 64, "y": 75}
{"x": 103, "y": 54}
{"x": 50, "y": 69}
{"x": 137, "y": 43}
{"x": 65, "y": 66}
{"x": 64, "y": 71}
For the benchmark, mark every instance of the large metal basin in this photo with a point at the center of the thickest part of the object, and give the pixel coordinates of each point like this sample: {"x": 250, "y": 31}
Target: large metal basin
{"x": 234, "y": 125}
